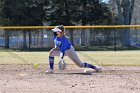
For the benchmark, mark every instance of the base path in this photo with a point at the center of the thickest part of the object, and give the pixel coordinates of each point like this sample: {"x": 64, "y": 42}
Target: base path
{"x": 26, "y": 79}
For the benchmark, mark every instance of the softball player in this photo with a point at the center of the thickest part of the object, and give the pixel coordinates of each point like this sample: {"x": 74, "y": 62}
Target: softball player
{"x": 64, "y": 48}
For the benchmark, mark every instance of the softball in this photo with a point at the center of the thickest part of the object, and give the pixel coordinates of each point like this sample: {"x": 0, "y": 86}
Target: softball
{"x": 36, "y": 65}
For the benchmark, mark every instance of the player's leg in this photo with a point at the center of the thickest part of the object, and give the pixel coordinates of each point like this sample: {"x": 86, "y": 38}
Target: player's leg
{"x": 53, "y": 52}
{"x": 73, "y": 56}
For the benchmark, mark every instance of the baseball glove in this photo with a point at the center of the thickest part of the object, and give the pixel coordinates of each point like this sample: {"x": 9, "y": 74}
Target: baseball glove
{"x": 62, "y": 64}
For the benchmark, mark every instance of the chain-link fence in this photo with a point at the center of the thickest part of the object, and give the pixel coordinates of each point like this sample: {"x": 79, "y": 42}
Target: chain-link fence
{"x": 111, "y": 38}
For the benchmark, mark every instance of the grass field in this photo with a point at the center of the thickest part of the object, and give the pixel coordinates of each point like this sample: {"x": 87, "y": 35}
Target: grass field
{"x": 105, "y": 58}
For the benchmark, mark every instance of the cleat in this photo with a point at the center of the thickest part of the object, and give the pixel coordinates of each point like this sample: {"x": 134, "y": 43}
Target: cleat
{"x": 88, "y": 71}
{"x": 49, "y": 71}
{"x": 98, "y": 69}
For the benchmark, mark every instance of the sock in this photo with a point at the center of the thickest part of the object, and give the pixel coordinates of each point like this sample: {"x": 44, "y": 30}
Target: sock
{"x": 51, "y": 62}
{"x": 87, "y": 65}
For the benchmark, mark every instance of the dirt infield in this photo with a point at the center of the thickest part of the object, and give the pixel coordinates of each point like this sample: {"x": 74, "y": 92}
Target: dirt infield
{"x": 26, "y": 79}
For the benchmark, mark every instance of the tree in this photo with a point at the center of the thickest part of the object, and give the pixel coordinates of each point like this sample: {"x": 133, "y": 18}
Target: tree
{"x": 94, "y": 13}
{"x": 22, "y": 13}
{"x": 125, "y": 11}
{"x": 79, "y": 12}
{"x": 61, "y": 14}
{"x": 99, "y": 14}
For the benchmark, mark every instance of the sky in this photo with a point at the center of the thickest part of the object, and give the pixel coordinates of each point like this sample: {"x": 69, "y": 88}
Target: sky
{"x": 105, "y": 0}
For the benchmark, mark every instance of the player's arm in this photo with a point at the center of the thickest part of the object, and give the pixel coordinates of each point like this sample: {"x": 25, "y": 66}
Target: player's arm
{"x": 63, "y": 48}
{"x": 54, "y": 37}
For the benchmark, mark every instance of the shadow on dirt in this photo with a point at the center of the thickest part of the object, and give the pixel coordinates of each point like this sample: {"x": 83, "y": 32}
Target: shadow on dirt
{"x": 75, "y": 73}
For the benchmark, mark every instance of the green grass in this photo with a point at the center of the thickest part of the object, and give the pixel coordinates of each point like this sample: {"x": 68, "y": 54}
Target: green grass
{"x": 131, "y": 58}
{"x": 127, "y": 58}
{"x": 77, "y": 48}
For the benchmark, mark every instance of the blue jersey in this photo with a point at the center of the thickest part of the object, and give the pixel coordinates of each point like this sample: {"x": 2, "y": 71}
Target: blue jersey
{"x": 62, "y": 44}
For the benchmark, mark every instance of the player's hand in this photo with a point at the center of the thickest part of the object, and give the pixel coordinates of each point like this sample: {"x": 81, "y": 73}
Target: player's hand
{"x": 61, "y": 55}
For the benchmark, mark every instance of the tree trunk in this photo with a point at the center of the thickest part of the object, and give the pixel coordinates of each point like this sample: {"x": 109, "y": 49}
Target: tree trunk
{"x": 67, "y": 13}
{"x": 68, "y": 20}
{"x": 71, "y": 35}
{"x": 30, "y": 39}
{"x": 131, "y": 10}
{"x": 92, "y": 37}
{"x": 6, "y": 39}
{"x": 126, "y": 37}
{"x": 120, "y": 14}
{"x": 125, "y": 11}
{"x": 83, "y": 37}
{"x": 24, "y": 40}
{"x": 42, "y": 38}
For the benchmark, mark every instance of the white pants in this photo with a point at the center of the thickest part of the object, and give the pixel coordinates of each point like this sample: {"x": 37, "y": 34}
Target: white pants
{"x": 71, "y": 53}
